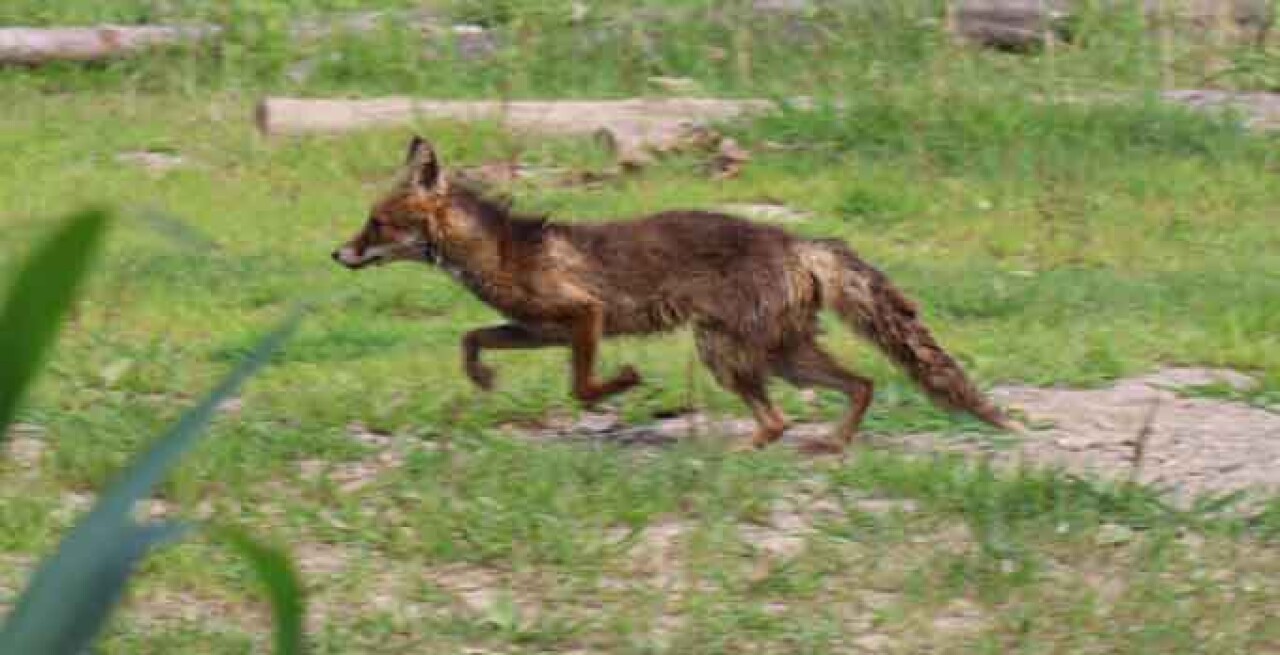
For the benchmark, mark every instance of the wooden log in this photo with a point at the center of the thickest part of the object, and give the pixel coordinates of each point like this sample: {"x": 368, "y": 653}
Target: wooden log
{"x": 32, "y": 45}
{"x": 634, "y": 131}
{"x": 1025, "y": 24}
{"x": 39, "y": 45}
{"x": 630, "y": 126}
{"x": 1009, "y": 24}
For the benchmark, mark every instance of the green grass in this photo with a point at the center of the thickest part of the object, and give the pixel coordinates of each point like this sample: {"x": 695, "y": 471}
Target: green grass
{"x": 1048, "y": 244}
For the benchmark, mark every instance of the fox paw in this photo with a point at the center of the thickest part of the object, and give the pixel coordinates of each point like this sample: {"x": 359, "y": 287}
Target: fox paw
{"x": 627, "y": 377}
{"x": 481, "y": 375}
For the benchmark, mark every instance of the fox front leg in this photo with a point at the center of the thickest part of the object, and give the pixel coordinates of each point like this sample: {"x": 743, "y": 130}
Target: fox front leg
{"x": 500, "y": 337}
{"x": 588, "y": 330}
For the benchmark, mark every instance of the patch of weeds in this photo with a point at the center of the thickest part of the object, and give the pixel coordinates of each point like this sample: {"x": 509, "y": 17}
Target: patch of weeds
{"x": 180, "y": 275}
{"x": 510, "y": 501}
{"x": 508, "y": 622}
{"x": 1265, "y": 394}
{"x": 31, "y": 521}
{"x": 874, "y": 208}
{"x": 1266, "y": 523}
{"x": 994, "y": 503}
{"x": 342, "y": 342}
{"x": 489, "y": 14}
{"x": 177, "y": 637}
{"x": 718, "y": 625}
{"x": 963, "y": 132}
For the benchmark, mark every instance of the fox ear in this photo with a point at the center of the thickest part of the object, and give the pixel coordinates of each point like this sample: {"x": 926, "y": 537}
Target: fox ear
{"x": 423, "y": 165}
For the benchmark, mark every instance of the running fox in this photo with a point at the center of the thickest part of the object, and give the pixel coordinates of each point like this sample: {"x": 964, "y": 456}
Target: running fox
{"x": 751, "y": 292}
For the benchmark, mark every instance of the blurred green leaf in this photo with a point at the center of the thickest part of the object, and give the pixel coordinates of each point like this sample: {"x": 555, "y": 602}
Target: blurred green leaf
{"x": 73, "y": 592}
{"x": 176, "y": 230}
{"x": 148, "y": 470}
{"x": 36, "y": 303}
{"x": 277, "y": 573}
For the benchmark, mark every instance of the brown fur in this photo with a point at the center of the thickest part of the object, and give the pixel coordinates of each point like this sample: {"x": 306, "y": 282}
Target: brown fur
{"x": 751, "y": 292}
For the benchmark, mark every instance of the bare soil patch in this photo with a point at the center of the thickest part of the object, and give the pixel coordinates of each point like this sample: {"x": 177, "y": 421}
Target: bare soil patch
{"x": 1139, "y": 427}
{"x": 1192, "y": 445}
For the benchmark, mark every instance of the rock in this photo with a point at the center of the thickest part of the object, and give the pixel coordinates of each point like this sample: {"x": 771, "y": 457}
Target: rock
{"x": 597, "y": 422}
{"x": 301, "y": 71}
{"x": 152, "y": 161}
{"x": 886, "y": 506}
{"x": 1188, "y": 376}
{"x": 318, "y": 559}
{"x": 72, "y": 504}
{"x": 874, "y": 643}
{"x": 678, "y": 85}
{"x": 473, "y": 42}
{"x": 960, "y": 616}
{"x": 153, "y": 509}
{"x": 1112, "y": 534}
{"x": 499, "y": 175}
{"x": 729, "y": 159}
{"x": 766, "y": 212}
{"x": 26, "y": 428}
{"x": 782, "y": 6}
{"x": 1009, "y": 24}
{"x": 368, "y": 436}
{"x": 1260, "y": 111}
{"x": 26, "y": 451}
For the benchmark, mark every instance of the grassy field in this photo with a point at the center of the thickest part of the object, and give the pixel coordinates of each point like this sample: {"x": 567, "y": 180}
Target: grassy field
{"x": 1049, "y": 243}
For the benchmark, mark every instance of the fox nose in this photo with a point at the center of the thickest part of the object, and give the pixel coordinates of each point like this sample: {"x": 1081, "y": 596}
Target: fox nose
{"x": 335, "y": 255}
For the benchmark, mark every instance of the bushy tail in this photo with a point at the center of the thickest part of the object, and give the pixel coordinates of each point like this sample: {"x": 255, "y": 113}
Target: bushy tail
{"x": 870, "y": 304}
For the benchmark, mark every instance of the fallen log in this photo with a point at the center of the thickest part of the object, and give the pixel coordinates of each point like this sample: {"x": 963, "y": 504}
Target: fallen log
{"x": 1008, "y": 24}
{"x": 40, "y": 45}
{"x": 33, "y": 45}
{"x": 1028, "y": 24}
{"x": 629, "y": 127}
{"x": 278, "y": 115}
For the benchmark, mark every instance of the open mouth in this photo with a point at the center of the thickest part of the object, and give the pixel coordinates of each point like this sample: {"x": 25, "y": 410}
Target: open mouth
{"x": 357, "y": 262}
{"x": 379, "y": 255}
{"x": 375, "y": 260}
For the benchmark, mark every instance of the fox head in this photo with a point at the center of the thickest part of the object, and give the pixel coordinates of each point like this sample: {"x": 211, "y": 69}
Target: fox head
{"x": 407, "y": 224}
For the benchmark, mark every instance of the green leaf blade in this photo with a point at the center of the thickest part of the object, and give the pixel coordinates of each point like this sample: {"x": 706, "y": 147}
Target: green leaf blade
{"x": 150, "y": 468}
{"x": 72, "y": 593}
{"x": 283, "y": 586}
{"x": 56, "y": 619}
{"x": 41, "y": 294}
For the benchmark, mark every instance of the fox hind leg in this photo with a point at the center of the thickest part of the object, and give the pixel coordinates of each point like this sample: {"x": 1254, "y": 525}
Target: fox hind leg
{"x": 808, "y": 365}
{"x": 738, "y": 368}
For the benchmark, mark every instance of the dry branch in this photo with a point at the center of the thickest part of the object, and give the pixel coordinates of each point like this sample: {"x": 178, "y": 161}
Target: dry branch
{"x": 1142, "y": 439}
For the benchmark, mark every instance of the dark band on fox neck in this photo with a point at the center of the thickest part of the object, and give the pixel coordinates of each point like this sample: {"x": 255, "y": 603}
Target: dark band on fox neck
{"x": 430, "y": 253}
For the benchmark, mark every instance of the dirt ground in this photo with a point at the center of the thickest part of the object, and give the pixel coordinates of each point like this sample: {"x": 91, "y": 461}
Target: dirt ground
{"x": 1141, "y": 426}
